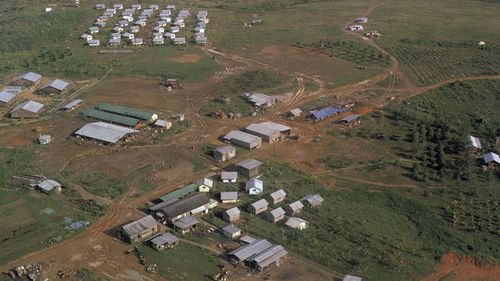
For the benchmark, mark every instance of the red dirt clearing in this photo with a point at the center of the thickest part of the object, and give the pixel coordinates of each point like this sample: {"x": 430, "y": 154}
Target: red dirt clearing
{"x": 465, "y": 268}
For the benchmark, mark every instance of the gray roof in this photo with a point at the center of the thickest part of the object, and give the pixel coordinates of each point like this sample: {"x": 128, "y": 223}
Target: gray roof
{"x": 106, "y": 132}
{"x": 225, "y": 149}
{"x": 30, "y": 76}
{"x": 352, "y": 278}
{"x": 314, "y": 199}
{"x": 13, "y": 89}
{"x": 185, "y": 205}
{"x": 138, "y": 226}
{"x": 233, "y": 211}
{"x": 247, "y": 239}
{"x": 296, "y": 111}
{"x": 31, "y": 106}
{"x": 269, "y": 256}
{"x": 249, "y": 164}
{"x": 246, "y": 251}
{"x": 231, "y": 229}
{"x": 294, "y": 222}
{"x": 262, "y": 203}
{"x": 297, "y": 205}
{"x": 275, "y": 126}
{"x": 186, "y": 222}
{"x": 242, "y": 136}
{"x": 48, "y": 185}
{"x": 165, "y": 238}
{"x": 162, "y": 123}
{"x": 229, "y": 175}
{"x": 491, "y": 157}
{"x": 229, "y": 195}
{"x": 278, "y": 194}
{"x": 6, "y": 96}
{"x": 350, "y": 118}
{"x": 260, "y": 129}
{"x": 57, "y": 84}
{"x": 260, "y": 99}
{"x": 72, "y": 103}
{"x": 278, "y": 212}
{"x": 475, "y": 142}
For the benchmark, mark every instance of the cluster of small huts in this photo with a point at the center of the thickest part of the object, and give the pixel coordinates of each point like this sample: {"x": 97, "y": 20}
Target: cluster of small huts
{"x": 22, "y": 82}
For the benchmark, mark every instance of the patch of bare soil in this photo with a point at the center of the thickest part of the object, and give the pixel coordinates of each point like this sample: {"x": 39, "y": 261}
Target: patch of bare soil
{"x": 465, "y": 268}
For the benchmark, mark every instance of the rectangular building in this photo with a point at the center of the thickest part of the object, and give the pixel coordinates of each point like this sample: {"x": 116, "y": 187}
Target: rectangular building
{"x": 141, "y": 229}
{"x": 243, "y": 139}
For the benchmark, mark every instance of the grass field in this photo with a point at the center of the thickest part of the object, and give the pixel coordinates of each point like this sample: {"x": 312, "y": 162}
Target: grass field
{"x": 430, "y": 48}
{"x": 184, "y": 262}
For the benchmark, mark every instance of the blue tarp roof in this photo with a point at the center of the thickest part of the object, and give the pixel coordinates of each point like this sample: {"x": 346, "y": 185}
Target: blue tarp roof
{"x": 326, "y": 112}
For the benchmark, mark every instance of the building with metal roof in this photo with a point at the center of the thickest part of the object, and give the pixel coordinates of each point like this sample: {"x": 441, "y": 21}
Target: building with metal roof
{"x": 278, "y": 196}
{"x": 326, "y": 112}
{"x": 254, "y": 186}
{"x": 229, "y": 197}
{"x": 191, "y": 205}
{"x": 260, "y": 100}
{"x": 296, "y": 112}
{"x": 141, "y": 229}
{"x": 110, "y": 117}
{"x": 178, "y": 193}
{"x": 164, "y": 124}
{"x": 231, "y": 215}
{"x": 6, "y": 97}
{"x": 276, "y": 214}
{"x": 243, "y": 139}
{"x": 294, "y": 208}
{"x": 314, "y": 200}
{"x": 224, "y": 153}
{"x": 491, "y": 158}
{"x": 27, "y": 109}
{"x": 258, "y": 206}
{"x": 229, "y": 176}
{"x": 275, "y": 126}
{"x": 297, "y": 223}
{"x": 104, "y": 132}
{"x": 54, "y": 86}
{"x": 72, "y": 105}
{"x": 249, "y": 167}
{"x": 186, "y": 224}
{"x": 49, "y": 185}
{"x": 265, "y": 133}
{"x": 246, "y": 251}
{"x": 44, "y": 139}
{"x": 27, "y": 79}
{"x": 247, "y": 239}
{"x": 474, "y": 142}
{"x": 165, "y": 241}
{"x": 272, "y": 255}
{"x": 128, "y": 111}
{"x": 231, "y": 232}
{"x": 352, "y": 278}
{"x": 204, "y": 185}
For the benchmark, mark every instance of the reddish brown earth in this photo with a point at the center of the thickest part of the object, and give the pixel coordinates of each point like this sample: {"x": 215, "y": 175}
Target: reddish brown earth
{"x": 465, "y": 268}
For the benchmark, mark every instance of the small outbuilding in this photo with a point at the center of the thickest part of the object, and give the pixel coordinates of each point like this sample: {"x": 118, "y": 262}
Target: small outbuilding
{"x": 28, "y": 109}
{"x": 313, "y": 200}
{"x": 141, "y": 229}
{"x": 249, "y": 168}
{"x": 254, "y": 186}
{"x": 297, "y": 223}
{"x": 163, "y": 124}
{"x": 352, "y": 278}
{"x": 491, "y": 160}
{"x": 277, "y": 196}
{"x": 294, "y": 208}
{"x": 231, "y": 232}
{"x": 72, "y": 105}
{"x": 204, "y": 185}
{"x": 224, "y": 153}
{"x": 48, "y": 186}
{"x": 186, "y": 224}
{"x": 27, "y": 79}
{"x": 164, "y": 241}
{"x": 231, "y": 215}
{"x": 276, "y": 215}
{"x": 53, "y": 87}
{"x": 229, "y": 177}
{"x": 44, "y": 139}
{"x": 229, "y": 197}
{"x": 258, "y": 207}
{"x": 351, "y": 120}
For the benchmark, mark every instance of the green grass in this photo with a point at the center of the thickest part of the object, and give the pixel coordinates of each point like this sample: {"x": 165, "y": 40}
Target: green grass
{"x": 184, "y": 262}
{"x": 100, "y": 184}
{"x": 177, "y": 128}
{"x": 430, "y": 48}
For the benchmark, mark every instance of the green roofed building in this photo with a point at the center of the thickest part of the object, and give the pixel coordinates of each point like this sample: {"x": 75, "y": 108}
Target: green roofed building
{"x": 110, "y": 117}
{"x": 128, "y": 111}
{"x": 179, "y": 192}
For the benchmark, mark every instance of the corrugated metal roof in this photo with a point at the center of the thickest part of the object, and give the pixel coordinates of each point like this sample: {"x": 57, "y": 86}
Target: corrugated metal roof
{"x": 491, "y": 157}
{"x": 165, "y": 238}
{"x": 31, "y": 106}
{"x": 229, "y": 195}
{"x": 278, "y": 212}
{"x": 269, "y": 256}
{"x": 231, "y": 229}
{"x": 225, "y": 149}
{"x": 6, "y": 96}
{"x": 162, "y": 123}
{"x": 229, "y": 175}
{"x": 254, "y": 183}
{"x": 262, "y": 130}
{"x": 262, "y": 203}
{"x": 57, "y": 84}
{"x": 475, "y": 142}
{"x": 294, "y": 222}
{"x": 297, "y": 205}
{"x": 275, "y": 126}
{"x": 249, "y": 164}
{"x": 206, "y": 182}
{"x": 326, "y": 112}
{"x": 352, "y": 278}
{"x": 13, "y": 89}
{"x": 48, "y": 185}
{"x": 185, "y": 205}
{"x": 246, "y": 251}
{"x": 350, "y": 118}
{"x": 72, "y": 104}
{"x": 247, "y": 239}
{"x": 233, "y": 211}
{"x": 314, "y": 199}
{"x": 179, "y": 192}
{"x": 260, "y": 99}
{"x": 243, "y": 137}
{"x": 186, "y": 222}
{"x": 110, "y": 117}
{"x": 138, "y": 226}
{"x": 106, "y": 132}
{"x": 30, "y": 76}
{"x": 278, "y": 194}
{"x": 128, "y": 111}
